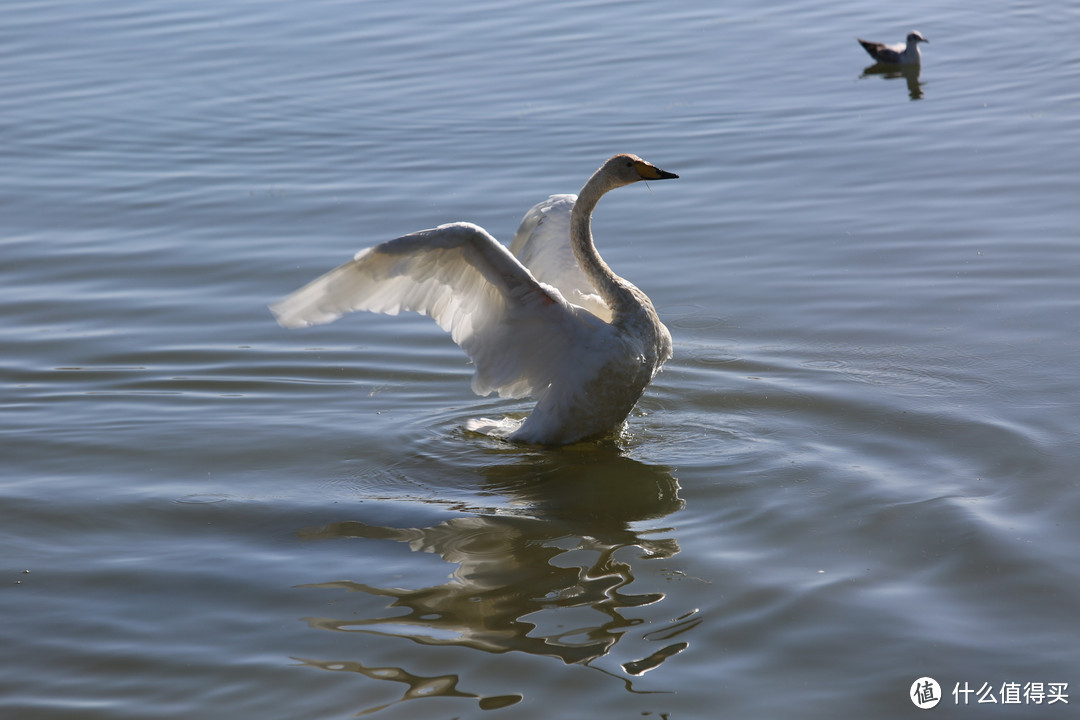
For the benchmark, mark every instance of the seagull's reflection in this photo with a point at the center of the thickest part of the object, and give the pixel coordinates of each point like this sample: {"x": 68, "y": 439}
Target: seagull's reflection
{"x": 551, "y": 577}
{"x": 893, "y": 72}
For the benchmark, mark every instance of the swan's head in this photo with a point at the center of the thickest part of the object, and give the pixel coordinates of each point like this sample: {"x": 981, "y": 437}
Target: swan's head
{"x": 915, "y": 37}
{"x": 625, "y": 169}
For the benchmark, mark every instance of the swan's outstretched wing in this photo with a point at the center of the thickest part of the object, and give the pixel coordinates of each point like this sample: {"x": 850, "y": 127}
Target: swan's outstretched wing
{"x": 517, "y": 332}
{"x": 542, "y": 244}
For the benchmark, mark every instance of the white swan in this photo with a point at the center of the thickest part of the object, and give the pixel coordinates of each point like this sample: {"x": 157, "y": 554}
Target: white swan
{"x": 907, "y": 54}
{"x": 554, "y": 323}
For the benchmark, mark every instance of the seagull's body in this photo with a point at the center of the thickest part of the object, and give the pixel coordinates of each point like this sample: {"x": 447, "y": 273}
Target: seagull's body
{"x": 900, "y": 54}
{"x": 548, "y": 319}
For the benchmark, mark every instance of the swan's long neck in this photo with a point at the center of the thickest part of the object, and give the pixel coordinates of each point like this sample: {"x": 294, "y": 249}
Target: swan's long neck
{"x": 631, "y": 310}
{"x": 616, "y": 292}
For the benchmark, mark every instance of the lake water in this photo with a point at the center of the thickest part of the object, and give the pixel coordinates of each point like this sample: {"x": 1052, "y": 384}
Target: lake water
{"x": 859, "y": 468}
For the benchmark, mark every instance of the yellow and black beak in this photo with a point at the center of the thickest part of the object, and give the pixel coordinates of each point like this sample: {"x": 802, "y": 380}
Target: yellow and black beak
{"x": 648, "y": 171}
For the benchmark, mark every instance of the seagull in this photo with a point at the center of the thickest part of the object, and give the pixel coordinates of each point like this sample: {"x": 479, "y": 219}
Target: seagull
{"x": 896, "y": 54}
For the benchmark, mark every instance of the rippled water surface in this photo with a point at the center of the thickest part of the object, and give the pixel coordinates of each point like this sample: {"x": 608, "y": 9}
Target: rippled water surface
{"x": 859, "y": 469}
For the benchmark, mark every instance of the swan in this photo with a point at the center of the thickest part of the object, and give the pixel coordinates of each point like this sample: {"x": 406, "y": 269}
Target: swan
{"x": 896, "y": 54}
{"x": 547, "y": 318}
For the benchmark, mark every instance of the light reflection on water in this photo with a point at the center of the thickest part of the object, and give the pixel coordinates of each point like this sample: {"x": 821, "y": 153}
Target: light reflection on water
{"x": 858, "y": 468}
{"x": 552, "y": 576}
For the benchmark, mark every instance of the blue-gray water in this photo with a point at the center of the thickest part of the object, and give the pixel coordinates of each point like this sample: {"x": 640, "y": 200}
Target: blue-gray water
{"x": 860, "y": 467}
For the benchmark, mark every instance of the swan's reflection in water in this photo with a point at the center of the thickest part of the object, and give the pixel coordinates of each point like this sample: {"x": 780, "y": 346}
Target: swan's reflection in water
{"x": 910, "y": 73}
{"x": 551, "y": 577}
{"x": 419, "y": 687}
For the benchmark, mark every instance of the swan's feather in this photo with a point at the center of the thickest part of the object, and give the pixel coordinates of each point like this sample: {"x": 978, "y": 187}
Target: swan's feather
{"x": 542, "y": 244}
{"x": 517, "y": 331}
{"x": 538, "y": 328}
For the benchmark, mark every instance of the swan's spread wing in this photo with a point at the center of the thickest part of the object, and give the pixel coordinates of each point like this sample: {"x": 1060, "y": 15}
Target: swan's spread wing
{"x": 542, "y": 244}
{"x": 516, "y": 331}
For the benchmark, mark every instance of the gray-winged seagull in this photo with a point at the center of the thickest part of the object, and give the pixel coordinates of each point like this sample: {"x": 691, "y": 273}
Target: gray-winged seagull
{"x": 896, "y": 54}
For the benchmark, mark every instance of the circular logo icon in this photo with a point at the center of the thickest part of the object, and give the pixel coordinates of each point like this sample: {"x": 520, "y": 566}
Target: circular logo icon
{"x": 925, "y": 693}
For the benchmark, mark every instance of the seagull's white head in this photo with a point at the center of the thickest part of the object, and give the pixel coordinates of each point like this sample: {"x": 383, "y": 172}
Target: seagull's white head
{"x": 915, "y": 37}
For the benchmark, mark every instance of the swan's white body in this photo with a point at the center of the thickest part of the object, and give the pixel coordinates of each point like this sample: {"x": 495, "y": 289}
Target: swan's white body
{"x": 548, "y": 320}
{"x": 900, "y": 54}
